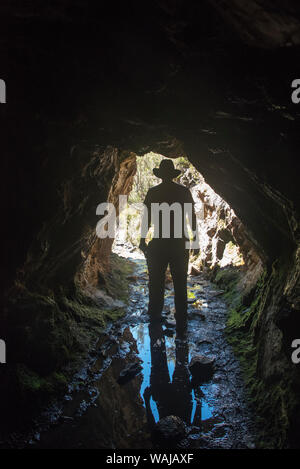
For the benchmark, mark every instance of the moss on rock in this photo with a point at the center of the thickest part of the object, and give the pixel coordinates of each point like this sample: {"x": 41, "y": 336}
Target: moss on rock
{"x": 273, "y": 394}
{"x": 49, "y": 335}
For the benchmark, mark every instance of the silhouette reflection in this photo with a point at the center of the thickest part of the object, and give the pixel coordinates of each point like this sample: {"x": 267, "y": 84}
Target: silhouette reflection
{"x": 172, "y": 395}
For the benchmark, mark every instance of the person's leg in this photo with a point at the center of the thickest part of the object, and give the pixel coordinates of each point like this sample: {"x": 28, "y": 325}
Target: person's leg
{"x": 157, "y": 265}
{"x": 181, "y": 386}
{"x": 179, "y": 268}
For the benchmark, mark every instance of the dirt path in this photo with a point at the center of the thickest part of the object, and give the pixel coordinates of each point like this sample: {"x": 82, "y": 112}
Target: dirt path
{"x": 108, "y": 410}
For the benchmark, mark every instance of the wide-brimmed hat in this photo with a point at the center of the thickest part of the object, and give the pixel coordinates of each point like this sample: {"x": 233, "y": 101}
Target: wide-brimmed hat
{"x": 166, "y": 170}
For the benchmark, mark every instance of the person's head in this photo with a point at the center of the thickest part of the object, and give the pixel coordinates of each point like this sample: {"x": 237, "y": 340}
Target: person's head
{"x": 166, "y": 171}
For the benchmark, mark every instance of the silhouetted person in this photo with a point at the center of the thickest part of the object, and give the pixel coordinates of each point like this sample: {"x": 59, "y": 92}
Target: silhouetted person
{"x": 170, "y": 245}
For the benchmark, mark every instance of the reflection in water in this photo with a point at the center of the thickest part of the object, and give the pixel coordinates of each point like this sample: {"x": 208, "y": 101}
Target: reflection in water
{"x": 102, "y": 413}
{"x": 166, "y": 388}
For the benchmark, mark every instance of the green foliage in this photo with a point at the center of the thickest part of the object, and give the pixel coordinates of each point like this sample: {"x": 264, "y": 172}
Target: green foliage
{"x": 228, "y": 278}
{"x": 33, "y": 386}
{"x": 116, "y": 280}
{"x": 144, "y": 177}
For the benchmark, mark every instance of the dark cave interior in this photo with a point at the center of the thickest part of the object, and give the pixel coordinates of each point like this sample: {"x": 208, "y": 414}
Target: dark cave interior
{"x": 90, "y": 85}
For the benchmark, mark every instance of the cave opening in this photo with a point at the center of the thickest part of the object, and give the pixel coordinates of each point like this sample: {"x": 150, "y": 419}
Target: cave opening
{"x": 225, "y": 244}
{"x": 227, "y": 264}
{"x": 225, "y": 252}
{"x": 220, "y": 231}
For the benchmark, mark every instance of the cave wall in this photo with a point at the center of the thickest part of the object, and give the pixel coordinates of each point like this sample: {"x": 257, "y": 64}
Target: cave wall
{"x": 273, "y": 24}
{"x": 88, "y": 84}
{"x": 97, "y": 260}
{"x": 217, "y": 226}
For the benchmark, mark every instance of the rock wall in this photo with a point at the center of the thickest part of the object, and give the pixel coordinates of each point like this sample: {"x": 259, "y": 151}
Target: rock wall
{"x": 269, "y": 26}
{"x": 218, "y": 225}
{"x": 96, "y": 263}
{"x": 68, "y": 239}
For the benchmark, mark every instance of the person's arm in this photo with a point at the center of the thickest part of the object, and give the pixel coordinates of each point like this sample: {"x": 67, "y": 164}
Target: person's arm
{"x": 193, "y": 225}
{"x": 146, "y": 223}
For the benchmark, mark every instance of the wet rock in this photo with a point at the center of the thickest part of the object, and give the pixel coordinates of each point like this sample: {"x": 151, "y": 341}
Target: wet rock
{"x": 169, "y": 332}
{"x": 170, "y": 323}
{"x": 204, "y": 342}
{"x": 216, "y": 293}
{"x": 184, "y": 444}
{"x": 129, "y": 372}
{"x": 201, "y": 368}
{"x": 250, "y": 445}
{"x": 193, "y": 430}
{"x": 66, "y": 418}
{"x": 219, "y": 430}
{"x": 196, "y": 314}
{"x": 170, "y": 430}
{"x": 204, "y": 441}
{"x": 192, "y": 301}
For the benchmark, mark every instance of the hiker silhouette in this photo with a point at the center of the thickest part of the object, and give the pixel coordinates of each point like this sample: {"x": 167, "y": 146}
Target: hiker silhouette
{"x": 170, "y": 208}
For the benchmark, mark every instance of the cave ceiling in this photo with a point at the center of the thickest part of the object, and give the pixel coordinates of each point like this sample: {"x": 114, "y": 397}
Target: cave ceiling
{"x": 209, "y": 79}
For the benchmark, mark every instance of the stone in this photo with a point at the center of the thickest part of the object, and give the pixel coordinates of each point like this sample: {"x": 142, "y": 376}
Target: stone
{"x": 170, "y": 323}
{"x": 170, "y": 430}
{"x": 202, "y": 367}
{"x": 129, "y": 372}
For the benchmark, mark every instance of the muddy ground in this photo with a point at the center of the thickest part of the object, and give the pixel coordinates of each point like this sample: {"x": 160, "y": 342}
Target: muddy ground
{"x": 129, "y": 384}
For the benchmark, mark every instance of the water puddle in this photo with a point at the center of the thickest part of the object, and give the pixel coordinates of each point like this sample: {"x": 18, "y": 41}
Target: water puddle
{"x": 191, "y": 405}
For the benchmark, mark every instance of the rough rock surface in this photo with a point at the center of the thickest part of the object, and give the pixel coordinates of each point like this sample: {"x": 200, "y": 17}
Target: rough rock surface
{"x": 170, "y": 430}
{"x": 201, "y": 367}
{"x": 129, "y": 372}
{"x": 217, "y": 226}
{"x": 104, "y": 414}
